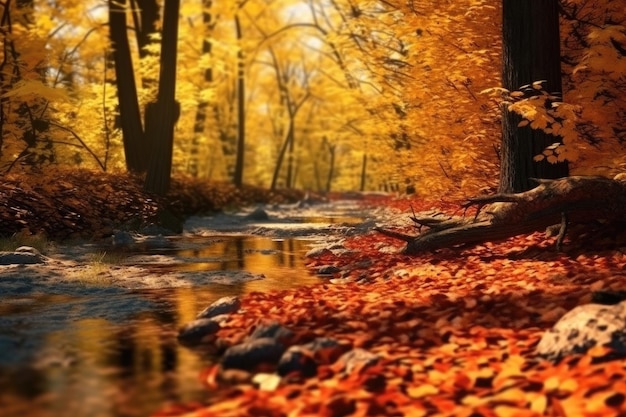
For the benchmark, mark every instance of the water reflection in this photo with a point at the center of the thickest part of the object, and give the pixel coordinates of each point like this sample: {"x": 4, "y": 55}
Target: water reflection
{"x": 115, "y": 353}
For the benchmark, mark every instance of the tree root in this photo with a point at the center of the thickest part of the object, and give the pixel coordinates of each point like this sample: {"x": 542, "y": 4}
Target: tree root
{"x": 553, "y": 202}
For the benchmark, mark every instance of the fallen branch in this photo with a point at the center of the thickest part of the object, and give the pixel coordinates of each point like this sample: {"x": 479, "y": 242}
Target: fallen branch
{"x": 553, "y": 202}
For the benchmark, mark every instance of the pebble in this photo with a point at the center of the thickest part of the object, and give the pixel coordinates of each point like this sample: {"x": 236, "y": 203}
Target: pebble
{"x": 224, "y": 305}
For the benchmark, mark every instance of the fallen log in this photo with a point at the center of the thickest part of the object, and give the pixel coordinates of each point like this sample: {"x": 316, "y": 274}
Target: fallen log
{"x": 576, "y": 200}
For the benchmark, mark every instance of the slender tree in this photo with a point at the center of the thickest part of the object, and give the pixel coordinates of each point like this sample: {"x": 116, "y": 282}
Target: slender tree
{"x": 241, "y": 107}
{"x": 130, "y": 115}
{"x": 165, "y": 111}
{"x": 202, "y": 111}
{"x": 531, "y": 52}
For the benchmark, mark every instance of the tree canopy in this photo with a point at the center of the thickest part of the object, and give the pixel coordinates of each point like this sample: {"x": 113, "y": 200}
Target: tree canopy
{"x": 338, "y": 94}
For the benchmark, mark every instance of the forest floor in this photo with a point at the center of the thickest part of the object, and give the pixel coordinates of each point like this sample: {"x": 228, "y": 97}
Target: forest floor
{"x": 455, "y": 330}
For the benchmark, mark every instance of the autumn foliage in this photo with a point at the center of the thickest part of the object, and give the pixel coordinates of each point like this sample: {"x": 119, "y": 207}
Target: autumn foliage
{"x": 456, "y": 338}
{"x": 388, "y": 94}
{"x": 340, "y": 95}
{"x": 87, "y": 204}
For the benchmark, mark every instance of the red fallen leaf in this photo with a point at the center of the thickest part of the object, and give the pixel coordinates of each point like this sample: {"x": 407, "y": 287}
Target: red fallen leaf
{"x": 339, "y": 406}
{"x": 325, "y": 372}
{"x": 462, "y": 381}
{"x": 208, "y": 376}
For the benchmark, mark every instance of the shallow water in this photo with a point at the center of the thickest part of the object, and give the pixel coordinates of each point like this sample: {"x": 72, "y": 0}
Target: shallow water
{"x": 110, "y": 352}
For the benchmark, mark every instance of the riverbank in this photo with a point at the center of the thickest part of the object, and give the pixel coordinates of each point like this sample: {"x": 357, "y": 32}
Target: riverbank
{"x": 69, "y": 204}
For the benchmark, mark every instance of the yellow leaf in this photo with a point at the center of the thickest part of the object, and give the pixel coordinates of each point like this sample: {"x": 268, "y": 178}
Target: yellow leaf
{"x": 523, "y": 123}
{"x": 539, "y": 404}
{"x": 422, "y": 391}
{"x": 37, "y": 88}
{"x": 266, "y": 382}
{"x": 551, "y": 383}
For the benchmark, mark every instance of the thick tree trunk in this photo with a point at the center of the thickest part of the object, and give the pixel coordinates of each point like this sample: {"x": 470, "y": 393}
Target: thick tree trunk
{"x": 531, "y": 52}
{"x": 130, "y": 116}
{"x": 166, "y": 110}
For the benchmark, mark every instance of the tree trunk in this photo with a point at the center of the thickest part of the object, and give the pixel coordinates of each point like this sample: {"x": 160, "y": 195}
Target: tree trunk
{"x": 203, "y": 106}
{"x": 166, "y": 110}
{"x": 331, "y": 169}
{"x": 145, "y": 17}
{"x": 281, "y": 154}
{"x": 531, "y": 52}
{"x": 579, "y": 200}
{"x": 289, "y": 180}
{"x": 363, "y": 172}
{"x": 130, "y": 116}
{"x": 241, "y": 115}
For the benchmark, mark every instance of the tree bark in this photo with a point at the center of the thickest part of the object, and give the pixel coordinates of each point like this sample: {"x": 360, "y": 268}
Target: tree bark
{"x": 130, "y": 116}
{"x": 166, "y": 110}
{"x": 363, "y": 172}
{"x": 579, "y": 199}
{"x": 241, "y": 109}
{"x": 331, "y": 168}
{"x": 203, "y": 106}
{"x": 531, "y": 52}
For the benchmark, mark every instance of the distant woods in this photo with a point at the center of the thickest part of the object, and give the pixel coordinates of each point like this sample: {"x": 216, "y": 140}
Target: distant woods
{"x": 316, "y": 95}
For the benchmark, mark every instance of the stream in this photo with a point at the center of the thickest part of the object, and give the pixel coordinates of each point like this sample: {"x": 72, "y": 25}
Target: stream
{"x": 90, "y": 346}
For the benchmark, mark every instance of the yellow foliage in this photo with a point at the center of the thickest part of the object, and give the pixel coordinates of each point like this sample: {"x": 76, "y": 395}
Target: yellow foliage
{"x": 408, "y": 87}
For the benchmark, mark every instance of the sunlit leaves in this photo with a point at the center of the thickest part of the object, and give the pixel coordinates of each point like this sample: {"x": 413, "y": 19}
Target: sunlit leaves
{"x": 34, "y": 88}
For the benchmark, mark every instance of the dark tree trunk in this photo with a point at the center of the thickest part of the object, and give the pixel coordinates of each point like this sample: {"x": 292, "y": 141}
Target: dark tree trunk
{"x": 130, "y": 116}
{"x": 166, "y": 110}
{"x": 290, "y": 177}
{"x": 241, "y": 113}
{"x": 331, "y": 169}
{"x": 203, "y": 106}
{"x": 363, "y": 172}
{"x": 281, "y": 154}
{"x": 145, "y": 17}
{"x": 531, "y": 52}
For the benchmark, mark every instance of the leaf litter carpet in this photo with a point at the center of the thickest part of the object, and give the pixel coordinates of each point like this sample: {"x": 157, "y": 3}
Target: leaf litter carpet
{"x": 455, "y": 331}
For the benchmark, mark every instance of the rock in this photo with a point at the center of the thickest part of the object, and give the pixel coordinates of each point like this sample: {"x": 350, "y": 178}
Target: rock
{"x": 316, "y": 252}
{"x": 357, "y": 359}
{"x": 24, "y": 255}
{"x": 122, "y": 238}
{"x": 27, "y": 249}
{"x": 328, "y": 270}
{"x": 224, "y": 305}
{"x": 271, "y": 330}
{"x": 258, "y": 214}
{"x": 155, "y": 242}
{"x": 320, "y": 343}
{"x": 305, "y": 358}
{"x": 608, "y": 297}
{"x": 297, "y": 359}
{"x": 235, "y": 377}
{"x": 195, "y": 331}
{"x": 155, "y": 229}
{"x": 585, "y": 327}
{"x": 248, "y": 355}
